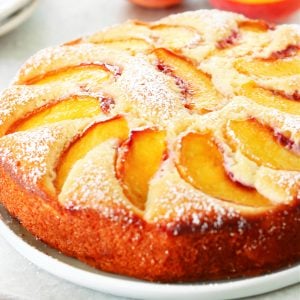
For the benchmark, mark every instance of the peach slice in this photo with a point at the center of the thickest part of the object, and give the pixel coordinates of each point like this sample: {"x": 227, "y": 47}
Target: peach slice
{"x": 93, "y": 136}
{"x": 68, "y": 109}
{"x": 201, "y": 164}
{"x": 75, "y": 74}
{"x": 132, "y": 44}
{"x": 258, "y": 26}
{"x": 127, "y": 31}
{"x": 269, "y": 98}
{"x": 194, "y": 83}
{"x": 139, "y": 159}
{"x": 167, "y": 35}
{"x": 259, "y": 144}
{"x": 272, "y": 68}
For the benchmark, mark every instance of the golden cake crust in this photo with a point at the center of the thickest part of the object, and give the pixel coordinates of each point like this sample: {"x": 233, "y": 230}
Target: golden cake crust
{"x": 153, "y": 253}
{"x": 69, "y": 171}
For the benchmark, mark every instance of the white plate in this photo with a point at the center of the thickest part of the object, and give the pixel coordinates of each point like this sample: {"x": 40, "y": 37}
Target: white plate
{"x": 74, "y": 271}
{"x": 12, "y": 19}
{"x": 8, "y": 7}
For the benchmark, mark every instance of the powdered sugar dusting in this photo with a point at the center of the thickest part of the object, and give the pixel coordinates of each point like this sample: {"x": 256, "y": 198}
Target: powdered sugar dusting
{"x": 280, "y": 39}
{"x": 290, "y": 182}
{"x": 193, "y": 209}
{"x": 19, "y": 100}
{"x": 174, "y": 202}
{"x": 32, "y": 155}
{"x": 214, "y": 25}
{"x": 101, "y": 190}
{"x": 150, "y": 93}
{"x": 61, "y": 57}
{"x": 152, "y": 98}
{"x": 29, "y": 147}
{"x": 14, "y": 97}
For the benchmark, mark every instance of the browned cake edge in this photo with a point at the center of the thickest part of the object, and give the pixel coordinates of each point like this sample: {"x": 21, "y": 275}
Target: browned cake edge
{"x": 270, "y": 240}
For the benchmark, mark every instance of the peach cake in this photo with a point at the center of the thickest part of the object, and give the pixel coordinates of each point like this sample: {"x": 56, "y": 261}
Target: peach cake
{"x": 166, "y": 151}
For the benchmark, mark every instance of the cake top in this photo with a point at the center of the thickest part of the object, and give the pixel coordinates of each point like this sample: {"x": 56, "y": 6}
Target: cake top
{"x": 193, "y": 119}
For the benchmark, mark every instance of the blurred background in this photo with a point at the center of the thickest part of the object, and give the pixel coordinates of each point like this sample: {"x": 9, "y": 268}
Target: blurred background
{"x": 55, "y": 21}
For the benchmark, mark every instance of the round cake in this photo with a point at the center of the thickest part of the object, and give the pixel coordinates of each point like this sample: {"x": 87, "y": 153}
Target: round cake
{"x": 167, "y": 151}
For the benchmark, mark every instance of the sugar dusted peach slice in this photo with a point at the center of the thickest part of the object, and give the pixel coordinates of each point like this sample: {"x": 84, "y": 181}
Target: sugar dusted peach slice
{"x": 126, "y": 31}
{"x": 131, "y": 44}
{"x": 68, "y": 109}
{"x": 93, "y": 136}
{"x": 272, "y": 68}
{"x": 260, "y": 145}
{"x": 75, "y": 74}
{"x": 270, "y": 99}
{"x": 167, "y": 35}
{"x": 193, "y": 82}
{"x": 201, "y": 164}
{"x": 139, "y": 159}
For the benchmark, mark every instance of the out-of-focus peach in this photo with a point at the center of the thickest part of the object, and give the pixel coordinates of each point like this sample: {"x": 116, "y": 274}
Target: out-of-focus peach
{"x": 270, "y": 10}
{"x": 156, "y": 3}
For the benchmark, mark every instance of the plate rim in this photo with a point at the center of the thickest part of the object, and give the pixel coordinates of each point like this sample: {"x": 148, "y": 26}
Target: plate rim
{"x": 133, "y": 288}
{"x": 18, "y": 19}
{"x": 11, "y": 6}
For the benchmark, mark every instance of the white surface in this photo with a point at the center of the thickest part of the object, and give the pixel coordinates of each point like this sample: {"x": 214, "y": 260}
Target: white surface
{"x": 74, "y": 271}
{"x": 53, "y": 23}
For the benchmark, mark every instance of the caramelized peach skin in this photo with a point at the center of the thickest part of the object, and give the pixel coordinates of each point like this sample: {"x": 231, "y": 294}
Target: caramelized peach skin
{"x": 201, "y": 164}
{"x": 76, "y": 74}
{"x": 93, "y": 136}
{"x": 197, "y": 84}
{"x": 269, "y": 99}
{"x": 139, "y": 159}
{"x": 67, "y": 109}
{"x": 230, "y": 41}
{"x": 260, "y": 145}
